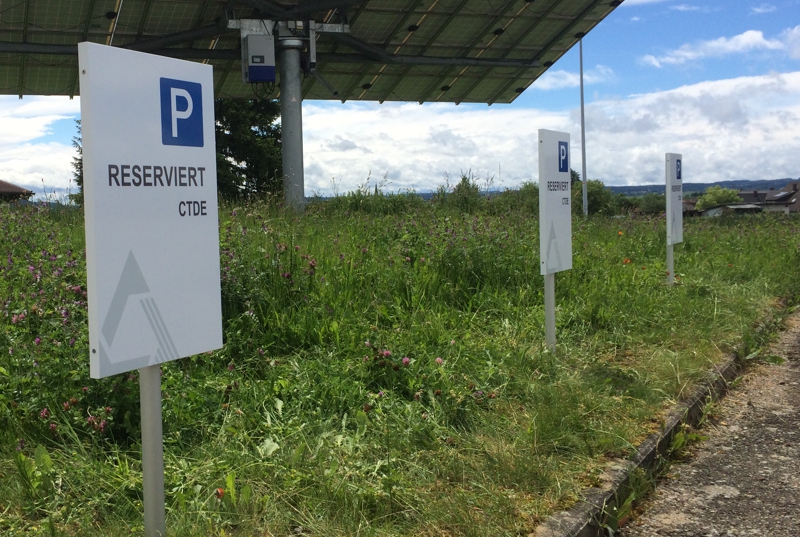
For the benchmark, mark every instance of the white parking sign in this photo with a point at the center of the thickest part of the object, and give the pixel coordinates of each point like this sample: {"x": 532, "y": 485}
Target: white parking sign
{"x": 150, "y": 195}
{"x": 555, "y": 202}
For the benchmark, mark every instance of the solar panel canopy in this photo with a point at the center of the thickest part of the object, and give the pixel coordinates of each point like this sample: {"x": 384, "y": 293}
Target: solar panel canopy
{"x": 482, "y": 51}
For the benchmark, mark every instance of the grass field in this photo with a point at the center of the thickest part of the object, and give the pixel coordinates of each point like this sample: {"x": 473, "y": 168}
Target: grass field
{"x": 384, "y": 369}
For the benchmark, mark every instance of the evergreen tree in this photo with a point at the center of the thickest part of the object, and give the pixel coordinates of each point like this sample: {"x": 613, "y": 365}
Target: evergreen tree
{"x": 248, "y": 147}
{"x": 77, "y": 166}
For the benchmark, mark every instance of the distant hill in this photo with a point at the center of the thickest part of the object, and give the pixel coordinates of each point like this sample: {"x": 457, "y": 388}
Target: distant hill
{"x": 759, "y": 184}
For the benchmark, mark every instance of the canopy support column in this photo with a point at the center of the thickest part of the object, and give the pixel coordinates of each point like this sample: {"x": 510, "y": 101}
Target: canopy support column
{"x": 292, "y": 122}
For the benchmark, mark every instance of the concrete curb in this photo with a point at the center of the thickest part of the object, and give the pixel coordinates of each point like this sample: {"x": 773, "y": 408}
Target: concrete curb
{"x": 584, "y": 519}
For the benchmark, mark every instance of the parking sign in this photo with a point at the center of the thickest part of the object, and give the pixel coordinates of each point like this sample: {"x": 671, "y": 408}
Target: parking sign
{"x": 150, "y": 197}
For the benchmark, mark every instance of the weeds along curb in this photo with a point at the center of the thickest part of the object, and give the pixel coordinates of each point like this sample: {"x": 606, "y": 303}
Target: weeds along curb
{"x": 590, "y": 516}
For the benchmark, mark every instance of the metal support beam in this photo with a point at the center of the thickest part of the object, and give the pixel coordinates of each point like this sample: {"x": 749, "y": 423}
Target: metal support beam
{"x": 23, "y": 57}
{"x": 74, "y": 78}
{"x": 502, "y": 13}
{"x": 222, "y": 54}
{"x": 280, "y": 12}
{"x": 292, "y": 122}
{"x": 549, "y": 46}
{"x": 164, "y": 41}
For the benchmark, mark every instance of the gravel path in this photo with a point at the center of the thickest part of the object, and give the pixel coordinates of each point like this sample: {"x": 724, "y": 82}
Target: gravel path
{"x": 745, "y": 479}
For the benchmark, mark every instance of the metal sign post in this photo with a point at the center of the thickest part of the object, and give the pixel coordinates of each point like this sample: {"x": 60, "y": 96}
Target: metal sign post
{"x": 583, "y": 142}
{"x": 152, "y": 237}
{"x": 674, "y": 176}
{"x": 152, "y": 451}
{"x": 555, "y": 219}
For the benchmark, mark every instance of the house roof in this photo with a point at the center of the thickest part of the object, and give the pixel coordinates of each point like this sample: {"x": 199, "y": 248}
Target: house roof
{"x": 8, "y": 188}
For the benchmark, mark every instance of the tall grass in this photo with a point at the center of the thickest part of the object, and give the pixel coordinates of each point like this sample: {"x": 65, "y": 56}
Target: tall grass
{"x": 384, "y": 370}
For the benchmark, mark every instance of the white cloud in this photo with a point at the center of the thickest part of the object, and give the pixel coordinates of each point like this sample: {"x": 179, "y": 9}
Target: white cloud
{"x": 566, "y": 79}
{"x": 685, "y": 7}
{"x": 635, "y": 19}
{"x": 742, "y": 128}
{"x": 792, "y": 39}
{"x": 751, "y": 40}
{"x": 763, "y": 8}
{"x": 23, "y": 161}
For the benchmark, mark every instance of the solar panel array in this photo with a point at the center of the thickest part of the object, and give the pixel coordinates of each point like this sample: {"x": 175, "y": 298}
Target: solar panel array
{"x": 483, "y": 51}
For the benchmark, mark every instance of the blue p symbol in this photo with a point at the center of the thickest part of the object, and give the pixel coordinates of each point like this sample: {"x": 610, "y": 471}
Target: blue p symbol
{"x": 678, "y": 168}
{"x": 181, "y": 113}
{"x": 563, "y": 156}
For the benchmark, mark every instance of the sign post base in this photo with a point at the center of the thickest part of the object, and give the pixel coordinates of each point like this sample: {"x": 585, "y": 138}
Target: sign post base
{"x": 152, "y": 452}
{"x": 670, "y": 265}
{"x": 550, "y": 311}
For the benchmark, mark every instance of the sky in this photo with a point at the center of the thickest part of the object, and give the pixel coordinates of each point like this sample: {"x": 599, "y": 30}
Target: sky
{"x": 715, "y": 80}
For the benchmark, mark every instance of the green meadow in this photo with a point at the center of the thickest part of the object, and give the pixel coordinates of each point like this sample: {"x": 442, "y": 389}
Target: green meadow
{"x": 384, "y": 369}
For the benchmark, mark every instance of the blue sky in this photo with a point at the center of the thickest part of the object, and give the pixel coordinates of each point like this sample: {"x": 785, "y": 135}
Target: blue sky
{"x": 717, "y": 80}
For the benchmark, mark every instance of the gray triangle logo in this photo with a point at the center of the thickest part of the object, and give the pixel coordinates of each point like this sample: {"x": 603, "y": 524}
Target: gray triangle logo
{"x": 132, "y": 282}
{"x": 553, "y": 253}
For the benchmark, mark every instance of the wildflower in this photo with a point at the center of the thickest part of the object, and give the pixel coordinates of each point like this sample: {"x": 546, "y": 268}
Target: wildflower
{"x": 108, "y": 410}
{"x": 626, "y": 261}
{"x": 364, "y": 250}
{"x": 53, "y": 427}
{"x": 452, "y": 342}
{"x": 619, "y": 233}
{"x": 386, "y": 353}
{"x": 65, "y": 404}
{"x": 437, "y": 393}
{"x": 643, "y": 267}
{"x": 367, "y": 343}
{"x": 44, "y": 413}
{"x": 86, "y": 388}
{"x": 37, "y": 341}
{"x": 101, "y": 426}
{"x": 381, "y": 394}
{"x": 72, "y": 342}
{"x": 20, "y": 444}
{"x": 439, "y": 361}
{"x": 421, "y": 259}
{"x": 230, "y": 366}
{"x": 408, "y": 259}
{"x": 406, "y": 361}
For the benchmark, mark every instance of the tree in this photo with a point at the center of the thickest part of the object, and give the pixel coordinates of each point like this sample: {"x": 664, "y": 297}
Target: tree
{"x": 77, "y": 166}
{"x": 248, "y": 147}
{"x": 716, "y": 195}
{"x": 652, "y": 203}
{"x": 599, "y": 198}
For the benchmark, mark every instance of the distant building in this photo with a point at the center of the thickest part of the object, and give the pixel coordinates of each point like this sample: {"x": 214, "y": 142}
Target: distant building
{"x": 785, "y": 200}
{"x": 732, "y": 208}
{"x": 9, "y": 192}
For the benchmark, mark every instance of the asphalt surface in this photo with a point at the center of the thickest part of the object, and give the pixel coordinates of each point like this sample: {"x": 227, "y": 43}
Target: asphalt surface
{"x": 745, "y": 478}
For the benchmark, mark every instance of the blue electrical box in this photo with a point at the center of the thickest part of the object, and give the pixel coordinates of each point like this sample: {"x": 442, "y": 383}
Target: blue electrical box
{"x": 258, "y": 58}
